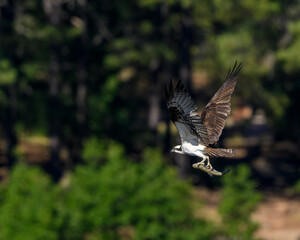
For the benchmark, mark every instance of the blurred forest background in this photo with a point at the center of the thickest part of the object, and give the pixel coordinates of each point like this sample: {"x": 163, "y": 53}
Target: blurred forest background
{"x": 84, "y": 130}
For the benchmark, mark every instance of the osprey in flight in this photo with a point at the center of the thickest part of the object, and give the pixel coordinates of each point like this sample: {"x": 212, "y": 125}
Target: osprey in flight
{"x": 199, "y": 133}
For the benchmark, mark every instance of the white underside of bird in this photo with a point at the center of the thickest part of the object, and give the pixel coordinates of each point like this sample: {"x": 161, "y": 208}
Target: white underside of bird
{"x": 191, "y": 146}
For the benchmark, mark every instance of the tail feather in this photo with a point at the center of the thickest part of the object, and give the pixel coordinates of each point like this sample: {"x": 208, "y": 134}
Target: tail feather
{"x": 220, "y": 152}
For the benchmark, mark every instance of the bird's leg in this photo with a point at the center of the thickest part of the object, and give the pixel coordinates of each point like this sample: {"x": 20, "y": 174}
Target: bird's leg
{"x": 206, "y": 166}
{"x": 206, "y": 159}
{"x": 203, "y": 160}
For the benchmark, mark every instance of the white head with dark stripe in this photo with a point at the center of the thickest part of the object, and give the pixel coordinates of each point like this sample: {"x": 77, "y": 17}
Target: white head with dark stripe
{"x": 177, "y": 149}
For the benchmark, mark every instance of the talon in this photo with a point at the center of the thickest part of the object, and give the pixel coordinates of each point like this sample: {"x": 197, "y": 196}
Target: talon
{"x": 208, "y": 164}
{"x": 205, "y": 159}
{"x": 208, "y": 168}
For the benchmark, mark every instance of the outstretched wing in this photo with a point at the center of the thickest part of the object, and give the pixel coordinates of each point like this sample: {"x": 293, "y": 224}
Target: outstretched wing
{"x": 216, "y": 111}
{"x": 182, "y": 109}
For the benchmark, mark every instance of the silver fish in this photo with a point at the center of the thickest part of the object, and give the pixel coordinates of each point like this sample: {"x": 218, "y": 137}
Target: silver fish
{"x": 209, "y": 169}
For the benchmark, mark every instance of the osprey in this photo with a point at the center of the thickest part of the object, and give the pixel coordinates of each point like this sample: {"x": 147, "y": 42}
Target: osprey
{"x": 199, "y": 134}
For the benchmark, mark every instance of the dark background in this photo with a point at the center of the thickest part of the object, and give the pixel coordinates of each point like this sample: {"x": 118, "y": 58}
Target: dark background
{"x": 82, "y": 90}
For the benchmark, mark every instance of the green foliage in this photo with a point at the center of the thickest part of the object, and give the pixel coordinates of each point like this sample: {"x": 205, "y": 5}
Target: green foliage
{"x": 239, "y": 199}
{"x": 93, "y": 150}
{"x": 34, "y": 70}
{"x": 288, "y": 55}
{"x": 7, "y": 72}
{"x": 28, "y": 206}
{"x": 254, "y": 9}
{"x": 295, "y": 189}
{"x": 117, "y": 199}
{"x": 144, "y": 200}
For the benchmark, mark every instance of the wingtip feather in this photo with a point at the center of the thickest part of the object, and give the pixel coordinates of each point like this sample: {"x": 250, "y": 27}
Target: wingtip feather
{"x": 171, "y": 86}
{"x": 178, "y": 86}
{"x": 234, "y": 72}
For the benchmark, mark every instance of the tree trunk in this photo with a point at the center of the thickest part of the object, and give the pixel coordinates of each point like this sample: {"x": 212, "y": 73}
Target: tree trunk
{"x": 184, "y": 161}
{"x": 161, "y": 73}
{"x": 9, "y": 124}
{"x": 53, "y": 10}
{"x": 54, "y": 121}
{"x": 154, "y": 99}
{"x": 81, "y": 89}
{"x": 7, "y": 18}
{"x": 166, "y": 76}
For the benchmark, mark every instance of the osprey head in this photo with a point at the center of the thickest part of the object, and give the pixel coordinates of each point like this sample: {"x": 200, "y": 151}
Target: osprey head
{"x": 177, "y": 149}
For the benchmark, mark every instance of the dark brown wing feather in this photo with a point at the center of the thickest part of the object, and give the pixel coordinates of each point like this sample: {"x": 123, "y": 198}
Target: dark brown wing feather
{"x": 216, "y": 111}
{"x": 182, "y": 109}
{"x": 220, "y": 152}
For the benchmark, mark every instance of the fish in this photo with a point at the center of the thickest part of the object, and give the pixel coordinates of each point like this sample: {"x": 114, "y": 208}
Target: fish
{"x": 209, "y": 169}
